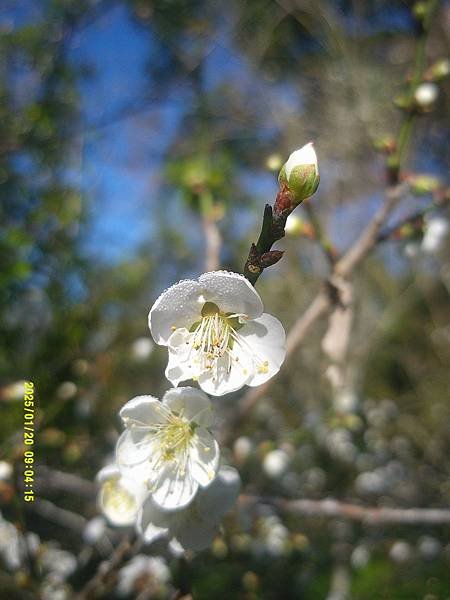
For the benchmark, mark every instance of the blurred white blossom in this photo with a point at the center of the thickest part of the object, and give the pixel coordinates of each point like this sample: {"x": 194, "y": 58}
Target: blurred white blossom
{"x": 275, "y": 463}
{"x": 141, "y": 348}
{"x": 196, "y": 526}
{"x": 146, "y": 569}
{"x": 436, "y": 230}
{"x": 426, "y": 94}
{"x": 120, "y": 497}
{"x": 6, "y": 470}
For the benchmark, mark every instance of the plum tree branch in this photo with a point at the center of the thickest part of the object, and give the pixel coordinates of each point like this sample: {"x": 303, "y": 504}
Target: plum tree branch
{"x": 369, "y": 515}
{"x": 323, "y": 300}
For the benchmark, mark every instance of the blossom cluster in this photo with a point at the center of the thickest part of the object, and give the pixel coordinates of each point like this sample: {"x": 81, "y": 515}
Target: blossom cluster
{"x": 167, "y": 479}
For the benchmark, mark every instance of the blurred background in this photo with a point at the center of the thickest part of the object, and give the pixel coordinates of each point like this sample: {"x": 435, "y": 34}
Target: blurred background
{"x": 139, "y": 143}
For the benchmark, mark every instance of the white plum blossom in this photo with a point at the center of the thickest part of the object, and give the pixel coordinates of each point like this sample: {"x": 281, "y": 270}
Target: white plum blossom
{"x": 167, "y": 445}
{"x": 217, "y": 333}
{"x": 120, "y": 498}
{"x": 194, "y": 527}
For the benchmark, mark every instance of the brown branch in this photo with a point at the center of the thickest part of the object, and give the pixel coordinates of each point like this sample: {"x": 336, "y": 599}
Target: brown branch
{"x": 323, "y": 301}
{"x": 97, "y": 586}
{"x": 370, "y": 515}
{"x": 60, "y": 516}
{"x": 213, "y": 242}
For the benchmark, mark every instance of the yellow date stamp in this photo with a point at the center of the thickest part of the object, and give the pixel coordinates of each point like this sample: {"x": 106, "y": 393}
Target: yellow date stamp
{"x": 28, "y": 440}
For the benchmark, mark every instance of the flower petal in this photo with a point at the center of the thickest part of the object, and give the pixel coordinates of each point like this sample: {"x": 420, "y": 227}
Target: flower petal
{"x": 232, "y": 293}
{"x": 173, "y": 491}
{"x": 178, "y": 367}
{"x": 142, "y": 410}
{"x": 152, "y": 522}
{"x": 220, "y": 496}
{"x": 136, "y": 457}
{"x": 191, "y": 403}
{"x": 195, "y": 535}
{"x": 227, "y": 376}
{"x": 264, "y": 339}
{"x": 204, "y": 457}
{"x": 178, "y": 306}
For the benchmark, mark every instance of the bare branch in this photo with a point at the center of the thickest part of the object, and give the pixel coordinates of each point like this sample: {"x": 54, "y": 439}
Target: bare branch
{"x": 322, "y": 302}
{"x": 60, "y": 516}
{"x": 98, "y": 584}
{"x": 370, "y": 515}
{"x": 213, "y": 242}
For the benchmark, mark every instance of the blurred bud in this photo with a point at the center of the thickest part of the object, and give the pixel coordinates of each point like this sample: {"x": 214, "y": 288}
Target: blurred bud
{"x": 242, "y": 448}
{"x": 274, "y": 162}
{"x": 294, "y": 225}
{"x": 94, "y": 530}
{"x": 6, "y": 470}
{"x": 53, "y": 437}
{"x": 429, "y": 547}
{"x": 66, "y": 390}
{"x": 400, "y": 552}
{"x": 436, "y": 230}
{"x": 275, "y": 463}
{"x": 13, "y": 392}
{"x": 219, "y": 548}
{"x": 420, "y": 10}
{"x": 300, "y": 173}
{"x": 250, "y": 581}
{"x": 426, "y": 95}
{"x": 422, "y": 184}
{"x": 386, "y": 144}
{"x": 360, "y": 557}
{"x": 141, "y": 348}
{"x": 80, "y": 366}
{"x": 402, "y": 101}
{"x": 439, "y": 70}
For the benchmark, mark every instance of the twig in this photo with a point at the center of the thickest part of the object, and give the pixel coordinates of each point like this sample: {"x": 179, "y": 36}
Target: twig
{"x": 260, "y": 255}
{"x": 213, "y": 242}
{"x": 95, "y": 586}
{"x": 369, "y": 515}
{"x": 322, "y": 302}
{"x": 327, "y": 247}
{"x": 51, "y": 479}
{"x": 61, "y": 516}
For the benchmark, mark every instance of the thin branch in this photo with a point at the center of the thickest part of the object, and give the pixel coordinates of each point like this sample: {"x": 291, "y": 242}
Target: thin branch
{"x": 323, "y": 302}
{"x": 213, "y": 243}
{"x": 370, "y": 515}
{"x": 51, "y": 479}
{"x": 60, "y": 516}
{"x": 123, "y": 551}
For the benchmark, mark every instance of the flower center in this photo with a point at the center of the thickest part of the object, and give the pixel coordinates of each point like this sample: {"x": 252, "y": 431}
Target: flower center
{"x": 213, "y": 335}
{"x": 175, "y": 438}
{"x": 117, "y": 498}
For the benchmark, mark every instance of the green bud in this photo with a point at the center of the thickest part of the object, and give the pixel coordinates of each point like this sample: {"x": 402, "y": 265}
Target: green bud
{"x": 300, "y": 173}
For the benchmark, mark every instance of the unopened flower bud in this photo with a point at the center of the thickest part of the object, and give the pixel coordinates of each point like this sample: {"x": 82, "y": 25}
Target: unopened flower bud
{"x": 423, "y": 184}
{"x": 300, "y": 173}
{"x": 440, "y": 70}
{"x": 426, "y": 95}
